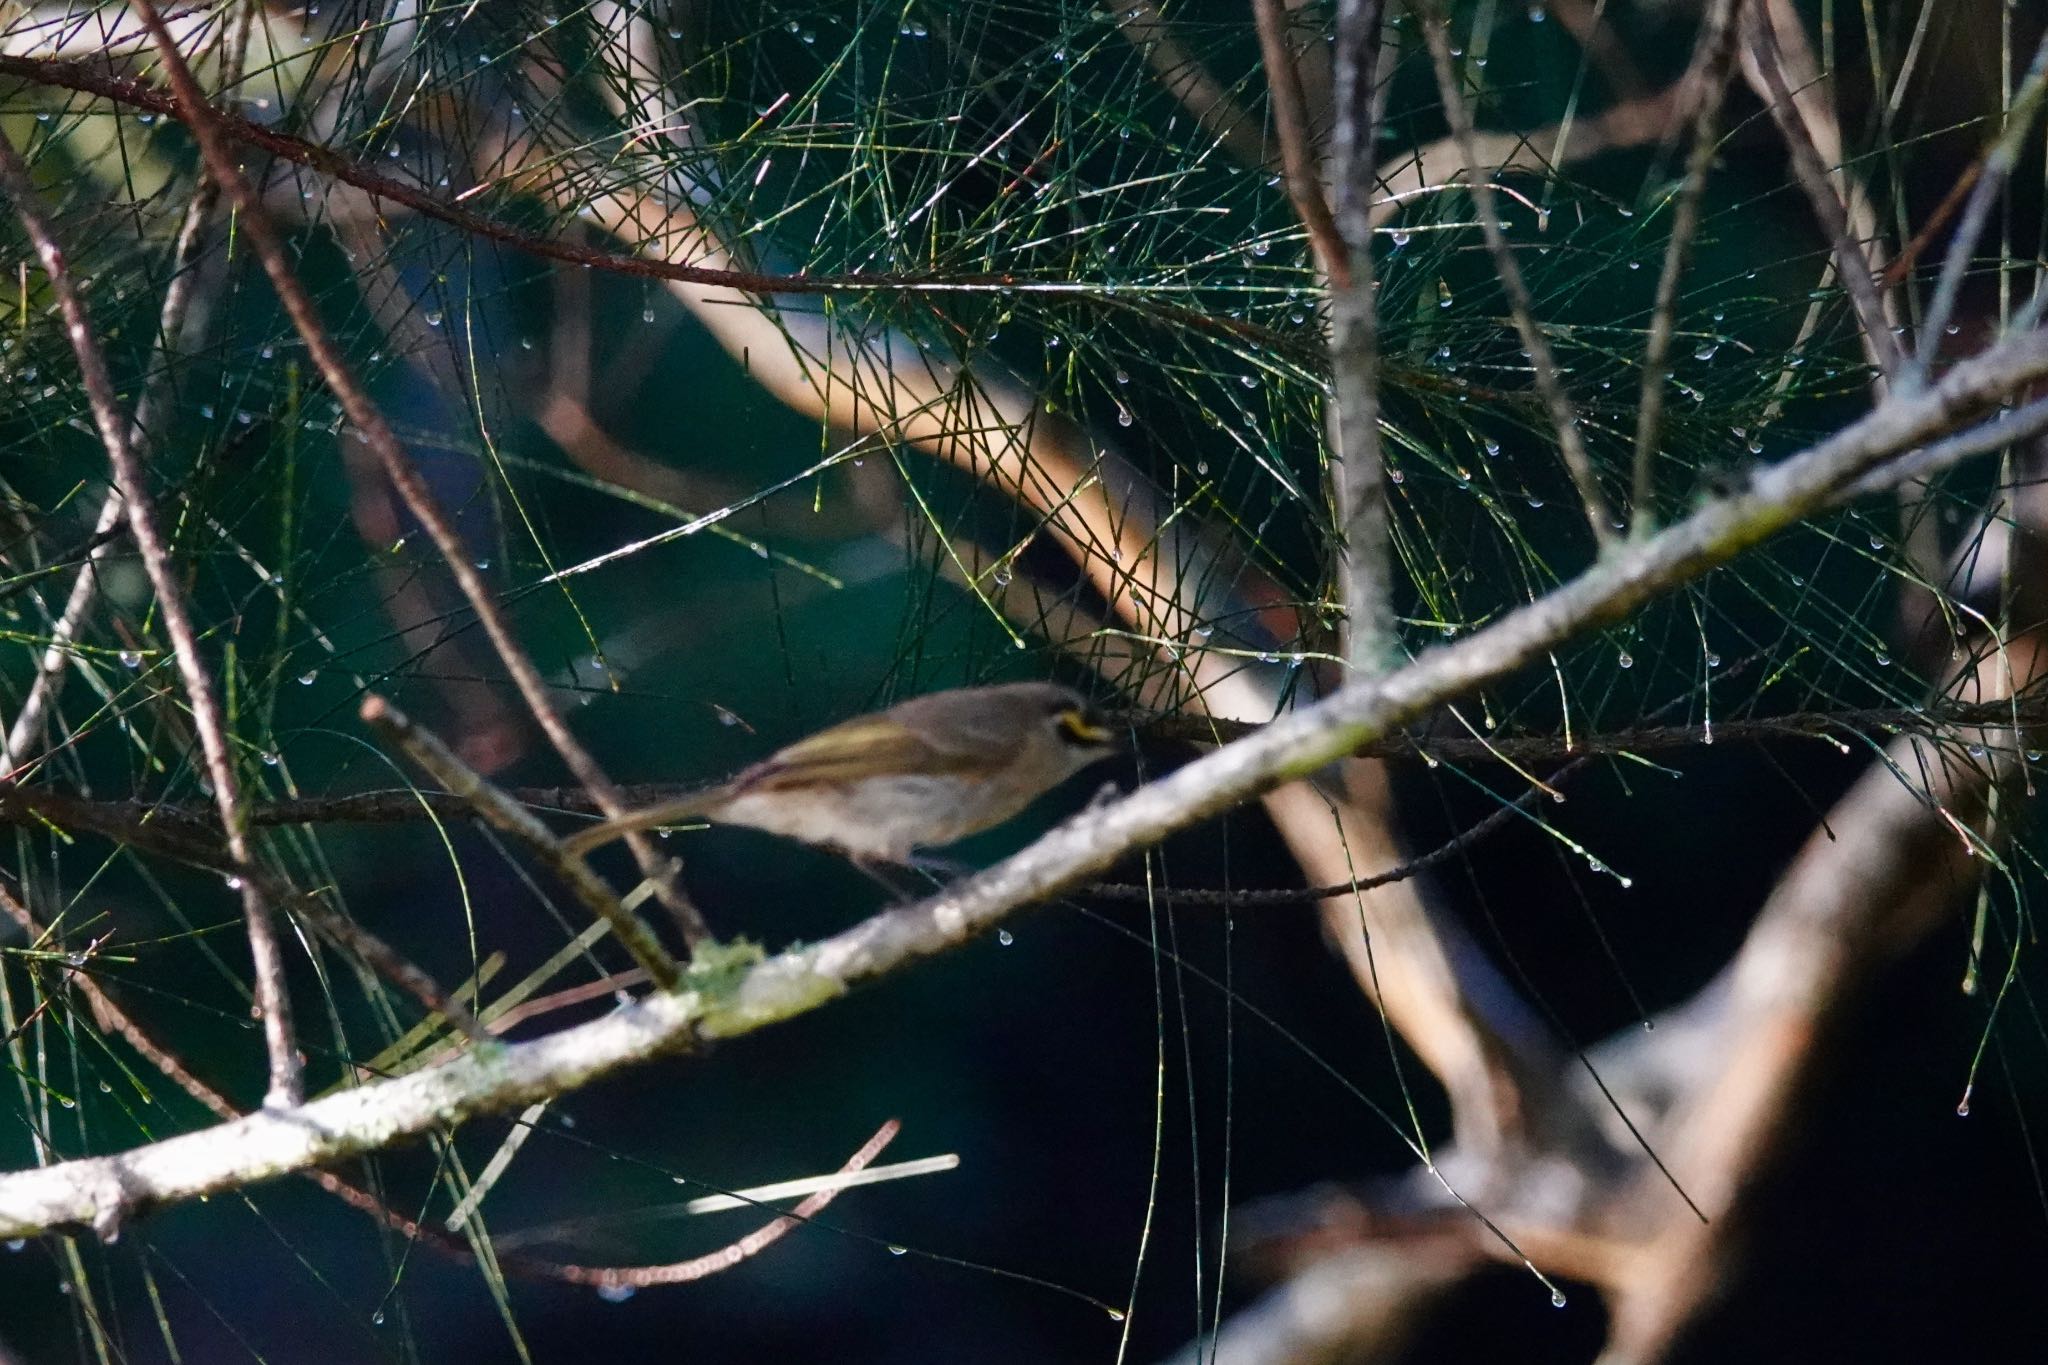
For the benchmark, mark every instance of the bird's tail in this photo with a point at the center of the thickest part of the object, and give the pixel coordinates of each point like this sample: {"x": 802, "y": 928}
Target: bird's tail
{"x": 583, "y": 841}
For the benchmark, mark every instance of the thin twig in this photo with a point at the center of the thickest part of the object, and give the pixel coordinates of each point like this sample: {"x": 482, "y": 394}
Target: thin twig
{"x": 191, "y": 834}
{"x": 389, "y": 963}
{"x": 138, "y": 504}
{"x": 1712, "y": 59}
{"x": 1564, "y": 418}
{"x": 424, "y": 748}
{"x": 189, "y": 837}
{"x": 1261, "y": 898}
{"x": 138, "y": 94}
{"x": 206, "y": 124}
{"x": 725, "y": 1258}
{"x": 1297, "y": 156}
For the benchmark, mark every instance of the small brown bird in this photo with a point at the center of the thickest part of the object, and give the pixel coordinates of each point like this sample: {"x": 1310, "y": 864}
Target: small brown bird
{"x": 923, "y": 773}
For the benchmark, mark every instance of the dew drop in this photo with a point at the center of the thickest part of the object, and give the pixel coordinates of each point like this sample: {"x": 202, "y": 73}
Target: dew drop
{"x": 1005, "y": 937}
{"x": 306, "y": 679}
{"x": 16, "y": 1243}
{"x": 271, "y": 759}
{"x": 433, "y": 317}
{"x": 895, "y": 1250}
{"x": 234, "y": 883}
{"x": 1202, "y": 468}
{"x": 1122, "y": 378}
{"x": 1493, "y": 447}
{"x": 615, "y": 1293}
{"x": 1713, "y": 659}
{"x": 1399, "y": 239}
{"x": 131, "y": 658}
{"x": 1626, "y": 660}
{"x": 1123, "y": 416}
{"x": 377, "y": 1318}
{"x": 1115, "y": 1314}
{"x": 1557, "y": 1299}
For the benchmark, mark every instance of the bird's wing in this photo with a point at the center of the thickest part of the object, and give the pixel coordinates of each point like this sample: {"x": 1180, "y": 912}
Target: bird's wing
{"x": 866, "y": 746}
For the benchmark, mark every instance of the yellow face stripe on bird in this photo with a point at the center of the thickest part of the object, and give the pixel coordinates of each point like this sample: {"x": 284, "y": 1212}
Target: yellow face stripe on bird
{"x": 1083, "y": 730}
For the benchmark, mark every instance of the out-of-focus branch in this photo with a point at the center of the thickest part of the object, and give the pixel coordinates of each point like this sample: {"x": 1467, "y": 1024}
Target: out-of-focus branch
{"x": 1183, "y": 77}
{"x": 138, "y": 505}
{"x": 1766, "y": 25}
{"x": 205, "y": 122}
{"x": 1996, "y": 166}
{"x": 1564, "y": 418}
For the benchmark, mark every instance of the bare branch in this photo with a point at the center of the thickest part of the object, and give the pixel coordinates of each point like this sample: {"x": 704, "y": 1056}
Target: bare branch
{"x": 1359, "y": 469}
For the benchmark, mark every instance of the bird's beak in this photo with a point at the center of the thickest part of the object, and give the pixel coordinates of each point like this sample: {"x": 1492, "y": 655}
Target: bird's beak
{"x": 1085, "y": 728}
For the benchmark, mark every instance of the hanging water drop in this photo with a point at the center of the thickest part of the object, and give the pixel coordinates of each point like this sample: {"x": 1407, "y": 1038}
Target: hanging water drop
{"x": 1005, "y": 937}
{"x": 615, "y": 1293}
{"x": 131, "y": 658}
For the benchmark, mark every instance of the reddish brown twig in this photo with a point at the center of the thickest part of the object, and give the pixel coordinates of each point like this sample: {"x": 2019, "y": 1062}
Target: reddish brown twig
{"x": 1297, "y": 156}
{"x": 138, "y": 504}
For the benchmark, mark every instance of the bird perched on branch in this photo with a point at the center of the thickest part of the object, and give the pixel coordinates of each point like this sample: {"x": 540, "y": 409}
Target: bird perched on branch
{"x": 921, "y": 774}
